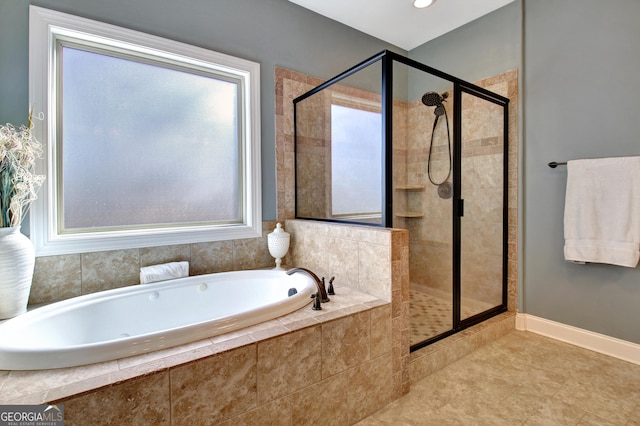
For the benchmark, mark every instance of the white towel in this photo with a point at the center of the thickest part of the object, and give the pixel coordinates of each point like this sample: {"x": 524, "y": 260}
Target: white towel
{"x": 602, "y": 211}
{"x": 162, "y": 272}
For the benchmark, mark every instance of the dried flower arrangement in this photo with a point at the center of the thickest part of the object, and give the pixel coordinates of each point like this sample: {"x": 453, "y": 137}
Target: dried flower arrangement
{"x": 19, "y": 150}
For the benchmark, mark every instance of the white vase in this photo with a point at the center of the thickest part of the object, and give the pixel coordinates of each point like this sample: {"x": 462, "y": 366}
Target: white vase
{"x": 278, "y": 243}
{"x": 17, "y": 260}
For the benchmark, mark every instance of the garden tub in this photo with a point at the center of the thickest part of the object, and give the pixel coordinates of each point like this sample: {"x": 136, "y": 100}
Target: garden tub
{"x": 129, "y": 321}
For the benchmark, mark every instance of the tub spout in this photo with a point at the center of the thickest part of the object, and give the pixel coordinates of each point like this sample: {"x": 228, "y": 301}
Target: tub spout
{"x": 321, "y": 290}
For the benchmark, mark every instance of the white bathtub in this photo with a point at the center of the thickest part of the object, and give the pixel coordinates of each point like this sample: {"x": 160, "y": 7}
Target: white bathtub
{"x": 129, "y": 321}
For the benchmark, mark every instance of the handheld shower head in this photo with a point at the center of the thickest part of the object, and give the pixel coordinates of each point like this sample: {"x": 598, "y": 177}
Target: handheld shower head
{"x": 434, "y": 99}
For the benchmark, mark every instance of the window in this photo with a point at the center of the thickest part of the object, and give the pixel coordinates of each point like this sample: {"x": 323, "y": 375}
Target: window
{"x": 356, "y": 162}
{"x": 148, "y": 141}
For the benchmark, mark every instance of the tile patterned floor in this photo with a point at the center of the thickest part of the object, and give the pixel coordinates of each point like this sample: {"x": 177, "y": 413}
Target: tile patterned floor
{"x": 522, "y": 379}
{"x": 431, "y": 316}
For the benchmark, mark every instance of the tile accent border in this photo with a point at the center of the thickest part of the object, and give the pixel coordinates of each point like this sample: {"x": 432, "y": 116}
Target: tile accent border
{"x": 617, "y": 348}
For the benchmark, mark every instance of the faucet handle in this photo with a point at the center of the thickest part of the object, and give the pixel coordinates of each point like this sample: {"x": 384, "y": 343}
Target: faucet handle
{"x": 330, "y": 289}
{"x": 317, "y": 306}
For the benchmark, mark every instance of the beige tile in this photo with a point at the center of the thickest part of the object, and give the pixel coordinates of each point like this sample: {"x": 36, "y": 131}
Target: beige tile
{"x": 477, "y": 378}
{"x": 603, "y": 400}
{"x": 214, "y": 389}
{"x": 381, "y": 339}
{"x": 168, "y": 357}
{"x": 340, "y": 261}
{"x": 141, "y": 401}
{"x": 370, "y": 387}
{"x": 56, "y": 278}
{"x": 508, "y": 382}
{"x": 288, "y": 363}
{"x": 634, "y": 415}
{"x": 275, "y": 413}
{"x": 24, "y": 383}
{"x": 593, "y": 420}
{"x": 207, "y": 258}
{"x": 78, "y": 386}
{"x": 325, "y": 402}
{"x": 480, "y": 409}
{"x": 554, "y": 412}
{"x": 110, "y": 269}
{"x": 265, "y": 330}
{"x": 251, "y": 253}
{"x": 345, "y": 343}
{"x": 164, "y": 254}
{"x": 374, "y": 269}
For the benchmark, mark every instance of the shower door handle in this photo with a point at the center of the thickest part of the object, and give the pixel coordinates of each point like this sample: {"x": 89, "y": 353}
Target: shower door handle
{"x": 460, "y": 207}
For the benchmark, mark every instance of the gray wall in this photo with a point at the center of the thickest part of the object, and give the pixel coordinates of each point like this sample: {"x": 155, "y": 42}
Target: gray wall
{"x": 581, "y": 101}
{"x": 488, "y": 46}
{"x": 271, "y": 32}
{"x": 14, "y": 60}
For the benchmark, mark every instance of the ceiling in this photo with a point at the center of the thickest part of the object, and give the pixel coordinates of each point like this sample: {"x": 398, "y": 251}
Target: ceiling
{"x": 398, "y": 22}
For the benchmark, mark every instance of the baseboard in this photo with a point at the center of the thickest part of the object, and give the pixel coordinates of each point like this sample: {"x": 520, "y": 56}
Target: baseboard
{"x": 601, "y": 343}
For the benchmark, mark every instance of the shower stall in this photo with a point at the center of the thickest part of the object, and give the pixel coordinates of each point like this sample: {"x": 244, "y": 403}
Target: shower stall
{"x": 395, "y": 143}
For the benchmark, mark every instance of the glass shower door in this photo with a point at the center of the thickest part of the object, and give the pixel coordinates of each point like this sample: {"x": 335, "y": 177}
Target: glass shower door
{"x": 482, "y": 222}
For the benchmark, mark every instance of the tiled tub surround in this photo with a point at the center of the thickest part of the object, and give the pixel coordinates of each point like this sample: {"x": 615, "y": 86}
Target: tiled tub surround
{"x": 343, "y": 362}
{"x": 368, "y": 259}
{"x": 291, "y": 370}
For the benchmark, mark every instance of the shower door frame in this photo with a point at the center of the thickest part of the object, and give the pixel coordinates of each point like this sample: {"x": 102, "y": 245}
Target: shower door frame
{"x": 460, "y": 324}
{"x": 460, "y": 86}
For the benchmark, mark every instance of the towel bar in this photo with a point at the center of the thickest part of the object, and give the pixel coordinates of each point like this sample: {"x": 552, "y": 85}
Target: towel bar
{"x": 555, "y": 164}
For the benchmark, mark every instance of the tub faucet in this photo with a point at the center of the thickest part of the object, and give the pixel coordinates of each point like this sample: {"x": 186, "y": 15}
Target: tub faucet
{"x": 321, "y": 290}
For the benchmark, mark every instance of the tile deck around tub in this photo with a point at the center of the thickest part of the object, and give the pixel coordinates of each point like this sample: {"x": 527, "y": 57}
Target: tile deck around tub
{"x": 40, "y": 386}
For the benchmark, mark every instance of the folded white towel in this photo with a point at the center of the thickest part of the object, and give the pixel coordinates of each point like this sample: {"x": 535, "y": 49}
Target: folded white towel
{"x": 165, "y": 271}
{"x": 602, "y": 211}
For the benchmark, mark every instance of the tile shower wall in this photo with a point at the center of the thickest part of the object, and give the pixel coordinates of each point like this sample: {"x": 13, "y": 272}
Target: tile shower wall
{"x": 430, "y": 234}
{"x": 431, "y": 237}
{"x": 62, "y": 277}
{"x": 289, "y": 85}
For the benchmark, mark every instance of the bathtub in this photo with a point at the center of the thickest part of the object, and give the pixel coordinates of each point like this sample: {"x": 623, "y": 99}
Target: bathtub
{"x": 137, "y": 319}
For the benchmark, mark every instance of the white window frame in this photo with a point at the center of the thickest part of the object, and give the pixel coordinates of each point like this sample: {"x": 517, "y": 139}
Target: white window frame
{"x": 45, "y": 26}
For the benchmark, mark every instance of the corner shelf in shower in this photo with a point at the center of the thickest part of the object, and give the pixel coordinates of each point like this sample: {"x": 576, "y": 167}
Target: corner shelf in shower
{"x": 410, "y": 188}
{"x": 410, "y": 215}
